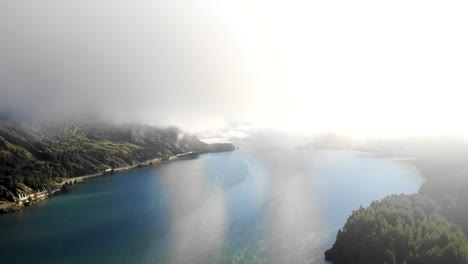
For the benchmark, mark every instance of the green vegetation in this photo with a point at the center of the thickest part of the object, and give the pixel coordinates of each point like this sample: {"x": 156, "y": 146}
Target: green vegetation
{"x": 399, "y": 229}
{"x": 12, "y": 208}
{"x": 443, "y": 162}
{"x": 69, "y": 186}
{"x": 31, "y": 201}
{"x": 113, "y": 147}
{"x": 38, "y": 156}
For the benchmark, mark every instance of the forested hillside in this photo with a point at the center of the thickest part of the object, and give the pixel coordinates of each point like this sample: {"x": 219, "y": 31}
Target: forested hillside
{"x": 33, "y": 156}
{"x": 443, "y": 163}
{"x": 399, "y": 229}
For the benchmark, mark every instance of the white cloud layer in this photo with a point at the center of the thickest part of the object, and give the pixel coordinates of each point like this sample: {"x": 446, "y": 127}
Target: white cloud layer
{"x": 361, "y": 67}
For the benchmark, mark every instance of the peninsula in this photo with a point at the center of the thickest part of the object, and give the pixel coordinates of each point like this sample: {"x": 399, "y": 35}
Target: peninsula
{"x": 36, "y": 160}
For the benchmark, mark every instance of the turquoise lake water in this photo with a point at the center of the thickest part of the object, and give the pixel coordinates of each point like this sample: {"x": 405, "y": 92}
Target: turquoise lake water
{"x": 239, "y": 207}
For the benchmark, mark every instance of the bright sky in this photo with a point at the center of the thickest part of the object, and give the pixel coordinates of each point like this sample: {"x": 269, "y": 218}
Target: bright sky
{"x": 372, "y": 67}
{"x": 382, "y": 68}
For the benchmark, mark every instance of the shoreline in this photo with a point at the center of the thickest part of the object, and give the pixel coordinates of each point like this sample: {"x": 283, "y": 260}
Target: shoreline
{"x": 11, "y": 207}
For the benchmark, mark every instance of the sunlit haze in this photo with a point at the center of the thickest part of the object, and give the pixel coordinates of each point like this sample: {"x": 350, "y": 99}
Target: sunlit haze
{"x": 248, "y": 131}
{"x": 354, "y": 67}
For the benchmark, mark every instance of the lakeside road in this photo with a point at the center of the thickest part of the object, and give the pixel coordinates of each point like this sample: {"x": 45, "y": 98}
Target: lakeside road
{"x": 99, "y": 174}
{"x": 96, "y": 174}
{"x": 5, "y": 205}
{"x": 119, "y": 169}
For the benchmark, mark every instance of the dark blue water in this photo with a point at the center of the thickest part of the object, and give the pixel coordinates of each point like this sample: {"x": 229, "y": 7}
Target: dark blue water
{"x": 221, "y": 208}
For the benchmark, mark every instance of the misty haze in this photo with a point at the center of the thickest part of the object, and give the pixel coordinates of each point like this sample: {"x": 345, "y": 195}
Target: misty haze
{"x": 233, "y": 132}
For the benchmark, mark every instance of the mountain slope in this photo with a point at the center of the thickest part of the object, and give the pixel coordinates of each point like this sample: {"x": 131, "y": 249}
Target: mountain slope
{"x": 34, "y": 156}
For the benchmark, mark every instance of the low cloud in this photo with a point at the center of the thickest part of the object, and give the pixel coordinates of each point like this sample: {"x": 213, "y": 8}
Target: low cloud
{"x": 353, "y": 67}
{"x": 123, "y": 61}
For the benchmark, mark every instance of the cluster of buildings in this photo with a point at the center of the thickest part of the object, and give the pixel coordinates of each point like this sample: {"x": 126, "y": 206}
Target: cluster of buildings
{"x": 24, "y": 198}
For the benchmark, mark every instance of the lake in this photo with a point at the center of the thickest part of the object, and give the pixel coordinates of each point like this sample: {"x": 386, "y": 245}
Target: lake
{"x": 254, "y": 205}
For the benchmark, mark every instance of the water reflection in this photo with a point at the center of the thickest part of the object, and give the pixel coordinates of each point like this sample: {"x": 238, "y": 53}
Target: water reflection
{"x": 197, "y": 213}
{"x": 293, "y": 214}
{"x": 269, "y": 203}
{"x": 263, "y": 204}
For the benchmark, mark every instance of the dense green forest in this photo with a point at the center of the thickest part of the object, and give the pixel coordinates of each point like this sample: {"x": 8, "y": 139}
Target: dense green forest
{"x": 443, "y": 163}
{"x": 37, "y": 156}
{"x": 399, "y": 229}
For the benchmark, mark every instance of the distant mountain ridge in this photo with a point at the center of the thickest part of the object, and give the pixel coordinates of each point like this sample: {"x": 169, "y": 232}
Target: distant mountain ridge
{"x": 33, "y": 156}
